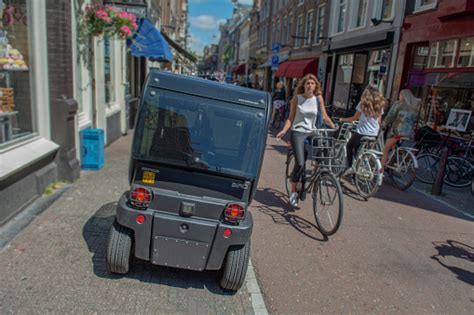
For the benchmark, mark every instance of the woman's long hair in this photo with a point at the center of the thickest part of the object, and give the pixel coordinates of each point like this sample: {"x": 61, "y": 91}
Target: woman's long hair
{"x": 409, "y": 100}
{"x": 309, "y": 76}
{"x": 372, "y": 102}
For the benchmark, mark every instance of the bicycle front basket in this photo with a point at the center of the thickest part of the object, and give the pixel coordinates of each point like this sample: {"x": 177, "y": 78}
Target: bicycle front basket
{"x": 323, "y": 147}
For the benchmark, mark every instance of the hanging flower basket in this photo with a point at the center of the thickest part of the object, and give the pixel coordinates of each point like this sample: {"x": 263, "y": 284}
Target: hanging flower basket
{"x": 101, "y": 20}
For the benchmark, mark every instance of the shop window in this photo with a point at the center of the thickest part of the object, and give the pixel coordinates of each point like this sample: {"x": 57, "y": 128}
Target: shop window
{"x": 443, "y": 53}
{"x": 319, "y": 24}
{"x": 466, "y": 52}
{"x": 359, "y": 13}
{"x": 421, "y": 5}
{"x": 16, "y": 110}
{"x": 377, "y": 68}
{"x": 443, "y": 92}
{"x": 340, "y": 20}
{"x": 109, "y": 54}
{"x": 343, "y": 80}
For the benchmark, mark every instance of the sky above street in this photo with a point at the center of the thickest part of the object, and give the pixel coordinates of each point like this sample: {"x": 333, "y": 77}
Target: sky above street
{"x": 204, "y": 18}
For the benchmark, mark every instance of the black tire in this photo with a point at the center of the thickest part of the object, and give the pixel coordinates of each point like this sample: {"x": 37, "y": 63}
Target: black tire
{"x": 290, "y": 163}
{"x": 235, "y": 267}
{"x": 427, "y": 168}
{"x": 367, "y": 175}
{"x": 328, "y": 208}
{"x": 458, "y": 172}
{"x": 119, "y": 247}
{"x": 406, "y": 175}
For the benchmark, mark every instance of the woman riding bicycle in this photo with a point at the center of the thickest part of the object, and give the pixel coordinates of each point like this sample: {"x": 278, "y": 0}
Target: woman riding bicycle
{"x": 304, "y": 109}
{"x": 369, "y": 113}
{"x": 401, "y": 119}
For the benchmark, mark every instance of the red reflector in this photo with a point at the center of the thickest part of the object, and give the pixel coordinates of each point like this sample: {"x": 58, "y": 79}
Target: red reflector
{"x": 140, "y": 219}
{"x": 227, "y": 233}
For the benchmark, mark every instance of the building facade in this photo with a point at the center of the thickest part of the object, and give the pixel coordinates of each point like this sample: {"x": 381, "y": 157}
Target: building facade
{"x": 436, "y": 58}
{"x": 364, "y": 37}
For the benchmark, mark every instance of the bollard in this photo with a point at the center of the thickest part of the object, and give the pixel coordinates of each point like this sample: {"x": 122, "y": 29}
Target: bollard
{"x": 438, "y": 183}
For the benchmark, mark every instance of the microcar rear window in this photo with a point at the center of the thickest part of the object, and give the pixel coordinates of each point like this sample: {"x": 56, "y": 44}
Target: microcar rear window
{"x": 200, "y": 133}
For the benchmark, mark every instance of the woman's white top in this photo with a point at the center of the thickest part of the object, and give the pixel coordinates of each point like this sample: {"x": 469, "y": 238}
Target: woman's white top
{"x": 367, "y": 126}
{"x": 306, "y": 114}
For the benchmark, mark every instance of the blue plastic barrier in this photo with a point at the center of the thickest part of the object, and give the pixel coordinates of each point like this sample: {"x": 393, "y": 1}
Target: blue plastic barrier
{"x": 92, "y": 149}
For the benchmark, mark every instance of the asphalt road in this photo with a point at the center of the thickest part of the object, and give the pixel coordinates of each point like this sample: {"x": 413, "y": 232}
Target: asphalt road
{"x": 399, "y": 252}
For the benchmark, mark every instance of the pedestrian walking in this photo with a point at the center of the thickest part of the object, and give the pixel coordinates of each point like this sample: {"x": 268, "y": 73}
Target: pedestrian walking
{"x": 305, "y": 108}
{"x": 279, "y": 97}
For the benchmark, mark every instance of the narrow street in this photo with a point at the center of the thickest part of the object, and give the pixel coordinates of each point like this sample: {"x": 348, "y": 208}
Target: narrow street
{"x": 399, "y": 252}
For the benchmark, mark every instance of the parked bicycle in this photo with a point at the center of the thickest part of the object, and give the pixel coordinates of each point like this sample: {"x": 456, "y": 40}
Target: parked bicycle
{"x": 319, "y": 180}
{"x": 459, "y": 170}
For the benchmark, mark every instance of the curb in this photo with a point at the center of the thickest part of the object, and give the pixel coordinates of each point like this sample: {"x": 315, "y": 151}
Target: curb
{"x": 258, "y": 304}
{"x": 21, "y": 220}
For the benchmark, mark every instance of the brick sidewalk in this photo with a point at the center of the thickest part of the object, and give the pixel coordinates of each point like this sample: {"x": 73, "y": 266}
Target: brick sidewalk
{"x": 57, "y": 264}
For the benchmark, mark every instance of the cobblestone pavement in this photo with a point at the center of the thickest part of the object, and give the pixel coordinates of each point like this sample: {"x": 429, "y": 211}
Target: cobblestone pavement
{"x": 57, "y": 264}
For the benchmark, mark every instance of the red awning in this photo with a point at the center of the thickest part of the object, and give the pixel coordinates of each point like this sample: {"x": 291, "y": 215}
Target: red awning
{"x": 298, "y": 68}
{"x": 240, "y": 69}
{"x": 281, "y": 69}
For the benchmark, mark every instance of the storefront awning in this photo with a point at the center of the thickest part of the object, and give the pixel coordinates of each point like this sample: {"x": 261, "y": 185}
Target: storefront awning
{"x": 179, "y": 49}
{"x": 297, "y": 68}
{"x": 240, "y": 69}
{"x": 149, "y": 43}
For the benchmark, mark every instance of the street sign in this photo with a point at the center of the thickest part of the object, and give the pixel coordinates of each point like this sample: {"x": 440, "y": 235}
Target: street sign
{"x": 275, "y": 48}
{"x": 275, "y": 61}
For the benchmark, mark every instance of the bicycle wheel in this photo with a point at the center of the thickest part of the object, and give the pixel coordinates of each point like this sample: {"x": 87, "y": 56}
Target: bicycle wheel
{"x": 368, "y": 176}
{"x": 427, "y": 167}
{"x": 404, "y": 173}
{"x": 458, "y": 172}
{"x": 328, "y": 203}
{"x": 290, "y": 164}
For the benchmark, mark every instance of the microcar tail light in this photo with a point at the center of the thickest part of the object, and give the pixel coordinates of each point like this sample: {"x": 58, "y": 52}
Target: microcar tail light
{"x": 234, "y": 213}
{"x": 140, "y": 197}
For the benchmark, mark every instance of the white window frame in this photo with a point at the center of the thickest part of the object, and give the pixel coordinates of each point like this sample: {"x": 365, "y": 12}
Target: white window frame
{"x": 308, "y": 29}
{"x": 300, "y": 2}
{"x": 299, "y": 26}
{"x": 354, "y": 15}
{"x": 316, "y": 26}
{"x": 378, "y": 10}
{"x": 337, "y": 17}
{"x": 420, "y": 8}
{"x": 284, "y": 28}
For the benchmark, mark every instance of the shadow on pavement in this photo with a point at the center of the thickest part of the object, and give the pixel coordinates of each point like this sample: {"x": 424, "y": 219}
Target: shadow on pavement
{"x": 95, "y": 234}
{"x": 415, "y": 199}
{"x": 275, "y": 205}
{"x": 458, "y": 250}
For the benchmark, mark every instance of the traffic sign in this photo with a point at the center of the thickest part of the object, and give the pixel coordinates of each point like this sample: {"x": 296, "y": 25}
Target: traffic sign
{"x": 275, "y": 61}
{"x": 275, "y": 48}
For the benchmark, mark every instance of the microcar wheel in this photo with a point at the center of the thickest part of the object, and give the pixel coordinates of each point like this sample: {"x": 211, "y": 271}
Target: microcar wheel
{"x": 119, "y": 246}
{"x": 235, "y": 267}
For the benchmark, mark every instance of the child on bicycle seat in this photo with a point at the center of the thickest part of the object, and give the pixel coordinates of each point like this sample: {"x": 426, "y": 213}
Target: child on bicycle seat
{"x": 302, "y": 120}
{"x": 369, "y": 113}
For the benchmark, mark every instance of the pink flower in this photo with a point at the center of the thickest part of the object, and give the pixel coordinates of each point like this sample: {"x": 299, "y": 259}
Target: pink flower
{"x": 101, "y": 14}
{"x": 123, "y": 15}
{"x": 126, "y": 30}
{"x": 107, "y": 19}
{"x": 134, "y": 26}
